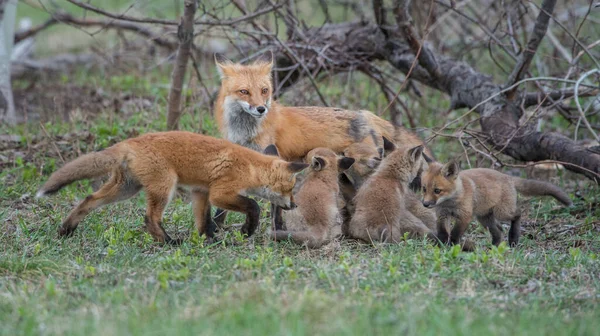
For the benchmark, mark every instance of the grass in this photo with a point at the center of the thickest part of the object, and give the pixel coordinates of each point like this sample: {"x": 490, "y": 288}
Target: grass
{"x": 111, "y": 278}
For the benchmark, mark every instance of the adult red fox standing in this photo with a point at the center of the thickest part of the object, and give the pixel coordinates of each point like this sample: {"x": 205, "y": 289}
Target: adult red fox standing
{"x": 247, "y": 115}
{"x": 216, "y": 170}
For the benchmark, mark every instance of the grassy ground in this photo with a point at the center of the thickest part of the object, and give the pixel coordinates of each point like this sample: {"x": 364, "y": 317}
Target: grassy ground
{"x": 111, "y": 278}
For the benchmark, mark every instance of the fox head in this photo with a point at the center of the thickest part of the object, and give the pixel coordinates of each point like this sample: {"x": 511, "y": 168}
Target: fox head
{"x": 247, "y": 89}
{"x": 367, "y": 159}
{"x": 281, "y": 179}
{"x": 325, "y": 160}
{"x": 440, "y": 183}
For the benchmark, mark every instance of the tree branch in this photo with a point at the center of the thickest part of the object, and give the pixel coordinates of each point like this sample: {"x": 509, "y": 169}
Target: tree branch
{"x": 405, "y": 25}
{"x": 185, "y": 32}
{"x": 539, "y": 31}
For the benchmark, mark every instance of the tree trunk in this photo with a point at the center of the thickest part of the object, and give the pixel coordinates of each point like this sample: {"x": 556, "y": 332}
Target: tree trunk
{"x": 185, "y": 33}
{"x": 8, "y": 11}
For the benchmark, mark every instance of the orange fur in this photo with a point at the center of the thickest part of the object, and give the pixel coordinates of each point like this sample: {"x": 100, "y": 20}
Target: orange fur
{"x": 317, "y": 219}
{"x": 217, "y": 171}
{"x": 294, "y": 130}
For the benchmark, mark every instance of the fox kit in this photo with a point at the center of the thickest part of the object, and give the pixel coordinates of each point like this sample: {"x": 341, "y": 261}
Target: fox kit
{"x": 217, "y": 171}
{"x": 367, "y": 160}
{"x": 317, "y": 218}
{"x": 381, "y": 212}
{"x": 485, "y": 193}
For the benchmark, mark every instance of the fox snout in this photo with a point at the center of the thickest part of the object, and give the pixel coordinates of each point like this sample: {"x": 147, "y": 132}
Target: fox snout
{"x": 291, "y": 206}
{"x": 261, "y": 109}
{"x": 428, "y": 204}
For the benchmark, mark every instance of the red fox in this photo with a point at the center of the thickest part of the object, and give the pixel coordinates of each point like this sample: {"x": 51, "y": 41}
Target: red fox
{"x": 246, "y": 114}
{"x": 489, "y": 195}
{"x": 367, "y": 160}
{"x": 216, "y": 170}
{"x": 317, "y": 218}
{"x": 382, "y": 212}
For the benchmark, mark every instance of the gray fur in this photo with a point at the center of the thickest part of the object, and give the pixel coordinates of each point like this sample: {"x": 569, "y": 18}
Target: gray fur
{"x": 358, "y": 128}
{"x": 242, "y": 126}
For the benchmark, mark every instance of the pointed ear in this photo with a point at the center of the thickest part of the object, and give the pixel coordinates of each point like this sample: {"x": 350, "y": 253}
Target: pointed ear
{"x": 388, "y": 145}
{"x": 345, "y": 163}
{"x": 223, "y": 65}
{"x": 266, "y": 58}
{"x": 271, "y": 150}
{"x": 415, "y": 153}
{"x": 296, "y": 167}
{"x": 450, "y": 170}
{"x": 318, "y": 163}
{"x": 427, "y": 158}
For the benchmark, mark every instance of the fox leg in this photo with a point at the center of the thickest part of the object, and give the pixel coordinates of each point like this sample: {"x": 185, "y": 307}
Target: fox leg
{"x": 238, "y": 203}
{"x": 119, "y": 187}
{"x": 201, "y": 207}
{"x": 443, "y": 223}
{"x": 276, "y": 218}
{"x": 158, "y": 196}
{"x": 515, "y": 230}
{"x": 489, "y": 221}
{"x": 461, "y": 225}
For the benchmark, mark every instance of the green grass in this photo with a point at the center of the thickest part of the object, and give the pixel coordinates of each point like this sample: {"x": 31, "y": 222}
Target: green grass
{"x": 111, "y": 278}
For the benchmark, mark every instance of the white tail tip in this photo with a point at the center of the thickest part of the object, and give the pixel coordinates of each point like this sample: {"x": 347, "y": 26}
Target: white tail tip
{"x": 40, "y": 194}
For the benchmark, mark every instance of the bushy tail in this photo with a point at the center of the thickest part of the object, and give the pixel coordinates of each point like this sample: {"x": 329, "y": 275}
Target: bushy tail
{"x": 84, "y": 167}
{"x": 540, "y": 188}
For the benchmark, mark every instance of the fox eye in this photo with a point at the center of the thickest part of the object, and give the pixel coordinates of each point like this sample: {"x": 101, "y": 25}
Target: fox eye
{"x": 424, "y": 189}
{"x": 244, "y": 92}
{"x": 265, "y": 91}
{"x": 437, "y": 191}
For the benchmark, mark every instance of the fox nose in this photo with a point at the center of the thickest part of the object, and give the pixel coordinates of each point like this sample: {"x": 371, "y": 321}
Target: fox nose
{"x": 261, "y": 109}
{"x": 428, "y": 204}
{"x": 292, "y": 206}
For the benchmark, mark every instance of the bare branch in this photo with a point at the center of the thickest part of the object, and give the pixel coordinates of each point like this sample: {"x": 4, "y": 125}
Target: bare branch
{"x": 405, "y": 24}
{"x": 539, "y": 31}
{"x": 185, "y": 32}
{"x": 124, "y": 17}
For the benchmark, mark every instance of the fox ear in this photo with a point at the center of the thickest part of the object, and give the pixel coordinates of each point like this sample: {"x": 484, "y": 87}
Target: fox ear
{"x": 223, "y": 65}
{"x": 451, "y": 169}
{"x": 427, "y": 158}
{"x": 388, "y": 145}
{"x": 271, "y": 150}
{"x": 266, "y": 58}
{"x": 318, "y": 163}
{"x": 296, "y": 167}
{"x": 345, "y": 163}
{"x": 415, "y": 153}
{"x": 265, "y": 63}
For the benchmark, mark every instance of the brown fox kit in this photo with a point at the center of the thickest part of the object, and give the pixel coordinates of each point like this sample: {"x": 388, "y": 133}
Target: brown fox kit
{"x": 367, "y": 160}
{"x": 381, "y": 212}
{"x": 317, "y": 218}
{"x": 217, "y": 171}
{"x": 247, "y": 115}
{"x": 485, "y": 193}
